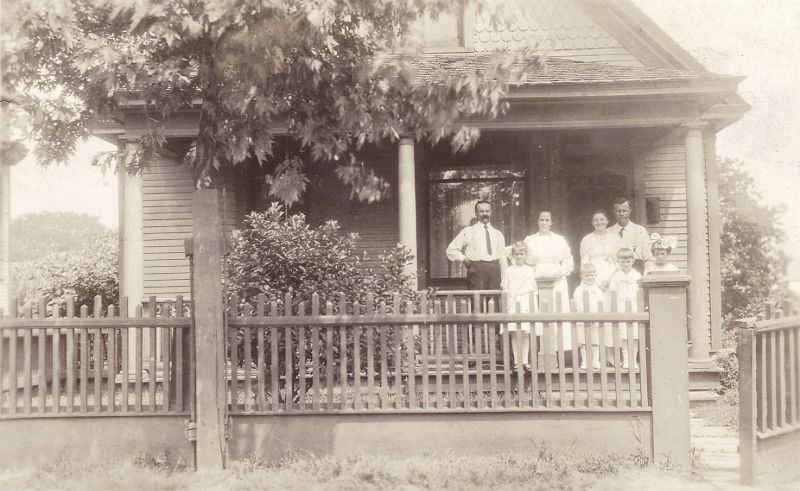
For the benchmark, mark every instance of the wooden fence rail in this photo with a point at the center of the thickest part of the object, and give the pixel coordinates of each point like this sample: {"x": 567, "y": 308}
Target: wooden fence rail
{"x": 56, "y": 360}
{"x": 769, "y": 390}
{"x": 430, "y": 354}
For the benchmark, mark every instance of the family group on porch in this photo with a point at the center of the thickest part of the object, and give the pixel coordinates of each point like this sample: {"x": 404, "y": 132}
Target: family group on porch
{"x": 612, "y": 259}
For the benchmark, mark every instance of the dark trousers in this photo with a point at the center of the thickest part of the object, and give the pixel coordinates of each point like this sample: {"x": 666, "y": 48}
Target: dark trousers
{"x": 483, "y": 275}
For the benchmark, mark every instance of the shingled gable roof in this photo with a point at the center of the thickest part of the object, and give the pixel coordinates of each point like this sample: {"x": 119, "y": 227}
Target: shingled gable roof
{"x": 432, "y": 68}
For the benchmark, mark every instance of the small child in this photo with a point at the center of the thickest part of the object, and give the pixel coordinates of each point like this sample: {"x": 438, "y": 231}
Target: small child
{"x": 625, "y": 281}
{"x": 519, "y": 285}
{"x": 589, "y": 297}
{"x": 661, "y": 247}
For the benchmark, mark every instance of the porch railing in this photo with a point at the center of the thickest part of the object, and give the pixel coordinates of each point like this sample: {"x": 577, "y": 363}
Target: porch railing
{"x": 56, "y": 360}
{"x": 435, "y": 353}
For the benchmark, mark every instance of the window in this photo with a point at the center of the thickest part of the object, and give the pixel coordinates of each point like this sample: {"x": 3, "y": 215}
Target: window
{"x": 449, "y": 32}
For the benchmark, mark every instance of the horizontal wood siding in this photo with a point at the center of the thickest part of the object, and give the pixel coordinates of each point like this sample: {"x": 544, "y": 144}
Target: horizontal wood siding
{"x": 167, "y": 189}
{"x": 665, "y": 178}
{"x": 376, "y": 223}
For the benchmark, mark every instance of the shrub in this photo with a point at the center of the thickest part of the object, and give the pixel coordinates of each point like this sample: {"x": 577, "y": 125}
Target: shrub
{"x": 729, "y": 380}
{"x": 82, "y": 274}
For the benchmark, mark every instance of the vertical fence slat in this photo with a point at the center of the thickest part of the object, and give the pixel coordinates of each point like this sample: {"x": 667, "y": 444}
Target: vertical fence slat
{"x": 71, "y": 360}
{"x": 533, "y": 359}
{"x": 152, "y": 363}
{"x": 632, "y": 365}
{"x": 746, "y": 353}
{"x": 289, "y": 358}
{"x": 84, "y": 361}
{"x": 11, "y": 368}
{"x": 139, "y": 361}
{"x": 773, "y": 382}
{"x": 97, "y": 338}
{"x": 123, "y": 312}
{"x": 437, "y": 341}
{"x": 356, "y": 360}
{"x": 602, "y": 338}
{"x": 316, "y": 397}
{"x": 57, "y": 372}
{"x": 261, "y": 364}
{"x": 41, "y": 389}
{"x": 589, "y": 335}
{"x": 370, "y": 363}
{"x": 761, "y": 339}
{"x": 492, "y": 340}
{"x": 793, "y": 376}
{"x": 274, "y": 342}
{"x": 782, "y": 377}
{"x": 329, "y": 378}
{"x": 13, "y": 373}
{"x": 343, "y": 385}
{"x": 576, "y": 373}
{"x": 247, "y": 333}
{"x": 27, "y": 382}
{"x": 616, "y": 326}
{"x": 408, "y": 340}
{"x": 301, "y": 363}
{"x": 112, "y": 362}
{"x": 384, "y": 366}
{"x": 166, "y": 369}
{"x": 644, "y": 388}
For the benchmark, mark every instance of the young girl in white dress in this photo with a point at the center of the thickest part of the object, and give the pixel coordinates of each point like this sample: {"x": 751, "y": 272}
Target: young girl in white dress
{"x": 589, "y": 297}
{"x": 519, "y": 285}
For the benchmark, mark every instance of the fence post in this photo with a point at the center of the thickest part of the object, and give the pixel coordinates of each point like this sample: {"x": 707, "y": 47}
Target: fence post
{"x": 669, "y": 367}
{"x": 746, "y": 355}
{"x": 210, "y": 397}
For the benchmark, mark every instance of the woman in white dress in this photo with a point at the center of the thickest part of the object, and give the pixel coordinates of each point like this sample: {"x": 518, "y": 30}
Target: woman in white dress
{"x": 551, "y": 258}
{"x": 600, "y": 248}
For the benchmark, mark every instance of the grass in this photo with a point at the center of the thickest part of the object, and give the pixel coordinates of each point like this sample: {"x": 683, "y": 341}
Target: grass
{"x": 539, "y": 469}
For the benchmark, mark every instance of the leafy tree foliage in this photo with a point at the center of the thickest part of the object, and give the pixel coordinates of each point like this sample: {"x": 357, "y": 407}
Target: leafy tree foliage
{"x": 335, "y": 73}
{"x": 36, "y": 235}
{"x": 753, "y": 262}
{"x": 85, "y": 273}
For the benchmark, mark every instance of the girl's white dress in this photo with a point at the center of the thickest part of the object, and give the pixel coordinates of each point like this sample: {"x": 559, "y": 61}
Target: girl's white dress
{"x": 550, "y": 256}
{"x": 627, "y": 287}
{"x": 519, "y": 284}
{"x": 596, "y": 303}
{"x": 600, "y": 249}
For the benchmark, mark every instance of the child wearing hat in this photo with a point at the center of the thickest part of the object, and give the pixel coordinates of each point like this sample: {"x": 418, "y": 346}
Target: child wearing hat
{"x": 661, "y": 247}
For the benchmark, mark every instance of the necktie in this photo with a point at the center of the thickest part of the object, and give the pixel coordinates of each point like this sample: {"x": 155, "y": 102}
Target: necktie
{"x": 621, "y": 229}
{"x": 488, "y": 240}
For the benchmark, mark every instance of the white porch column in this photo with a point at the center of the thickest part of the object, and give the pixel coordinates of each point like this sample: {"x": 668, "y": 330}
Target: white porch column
{"x": 697, "y": 251}
{"x": 5, "y": 226}
{"x": 131, "y": 253}
{"x": 131, "y": 240}
{"x": 407, "y": 199}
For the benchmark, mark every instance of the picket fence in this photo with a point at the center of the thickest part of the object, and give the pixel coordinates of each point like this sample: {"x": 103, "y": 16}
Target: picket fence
{"x": 59, "y": 361}
{"x": 442, "y": 353}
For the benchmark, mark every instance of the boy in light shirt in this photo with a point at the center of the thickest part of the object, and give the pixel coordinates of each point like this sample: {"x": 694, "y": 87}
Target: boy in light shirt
{"x": 625, "y": 282}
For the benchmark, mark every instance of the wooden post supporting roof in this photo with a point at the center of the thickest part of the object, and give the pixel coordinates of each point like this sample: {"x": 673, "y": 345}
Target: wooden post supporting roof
{"x": 131, "y": 238}
{"x": 696, "y": 237}
{"x": 669, "y": 368}
{"x": 407, "y": 199}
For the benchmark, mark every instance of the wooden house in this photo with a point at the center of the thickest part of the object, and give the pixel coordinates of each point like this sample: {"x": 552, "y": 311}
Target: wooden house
{"x": 618, "y": 109}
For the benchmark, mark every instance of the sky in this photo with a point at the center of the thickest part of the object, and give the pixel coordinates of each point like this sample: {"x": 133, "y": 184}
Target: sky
{"x": 756, "y": 39}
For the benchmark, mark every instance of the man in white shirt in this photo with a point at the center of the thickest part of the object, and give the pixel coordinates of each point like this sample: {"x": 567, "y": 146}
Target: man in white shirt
{"x": 631, "y": 235}
{"x": 481, "y": 248}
